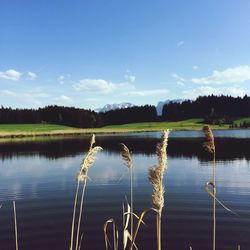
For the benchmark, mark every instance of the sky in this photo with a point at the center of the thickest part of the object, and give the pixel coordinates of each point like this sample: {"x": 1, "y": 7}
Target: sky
{"x": 88, "y": 53}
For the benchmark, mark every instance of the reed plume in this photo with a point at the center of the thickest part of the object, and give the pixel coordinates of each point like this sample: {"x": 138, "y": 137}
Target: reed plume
{"x": 128, "y": 162}
{"x": 156, "y": 179}
{"x": 82, "y": 178}
{"x": 209, "y": 146}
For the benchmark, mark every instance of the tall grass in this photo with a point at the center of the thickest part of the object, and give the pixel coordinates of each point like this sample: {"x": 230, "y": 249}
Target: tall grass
{"x": 15, "y": 224}
{"x": 82, "y": 178}
{"x": 156, "y": 179}
{"x": 209, "y": 146}
{"x": 128, "y": 162}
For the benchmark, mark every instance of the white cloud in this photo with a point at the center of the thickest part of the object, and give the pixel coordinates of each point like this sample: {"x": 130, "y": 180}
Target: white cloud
{"x": 7, "y": 92}
{"x": 61, "y": 79}
{"x": 100, "y": 85}
{"x": 11, "y": 74}
{"x": 63, "y": 100}
{"x": 195, "y": 67}
{"x": 130, "y": 78}
{"x": 153, "y": 92}
{"x": 32, "y": 76}
{"x": 179, "y": 80}
{"x": 207, "y": 90}
{"x": 231, "y": 75}
{"x": 180, "y": 43}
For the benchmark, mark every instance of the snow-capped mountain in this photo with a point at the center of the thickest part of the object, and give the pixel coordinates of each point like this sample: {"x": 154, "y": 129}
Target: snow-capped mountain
{"x": 160, "y": 105}
{"x": 109, "y": 107}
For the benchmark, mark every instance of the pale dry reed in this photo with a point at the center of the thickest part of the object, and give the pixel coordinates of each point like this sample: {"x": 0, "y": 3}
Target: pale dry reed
{"x": 128, "y": 162}
{"x": 156, "y": 179}
{"x": 82, "y": 177}
{"x": 209, "y": 146}
{"x": 15, "y": 223}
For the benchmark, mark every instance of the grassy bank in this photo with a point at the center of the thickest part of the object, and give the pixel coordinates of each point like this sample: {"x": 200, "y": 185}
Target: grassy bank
{"x": 29, "y": 130}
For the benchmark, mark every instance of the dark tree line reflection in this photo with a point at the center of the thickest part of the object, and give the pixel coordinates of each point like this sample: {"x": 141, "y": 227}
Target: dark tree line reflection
{"x": 226, "y": 148}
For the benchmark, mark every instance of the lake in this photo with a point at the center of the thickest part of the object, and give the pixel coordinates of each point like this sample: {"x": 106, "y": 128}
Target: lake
{"x": 41, "y": 176}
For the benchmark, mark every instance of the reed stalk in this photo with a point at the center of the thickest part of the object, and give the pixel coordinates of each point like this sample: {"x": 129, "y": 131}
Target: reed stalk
{"x": 80, "y": 213}
{"x": 209, "y": 146}
{"x": 128, "y": 162}
{"x": 74, "y": 215}
{"x": 15, "y": 222}
{"x": 156, "y": 178}
{"x": 82, "y": 178}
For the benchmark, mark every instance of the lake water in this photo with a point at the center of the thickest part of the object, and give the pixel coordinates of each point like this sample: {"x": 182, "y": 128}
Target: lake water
{"x": 41, "y": 177}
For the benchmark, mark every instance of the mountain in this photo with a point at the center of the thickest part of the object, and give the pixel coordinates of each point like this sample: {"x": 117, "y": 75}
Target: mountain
{"x": 160, "y": 105}
{"x": 115, "y": 106}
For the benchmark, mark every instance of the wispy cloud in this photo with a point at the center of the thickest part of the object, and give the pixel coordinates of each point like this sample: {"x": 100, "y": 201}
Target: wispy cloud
{"x": 61, "y": 79}
{"x": 130, "y": 78}
{"x": 10, "y": 74}
{"x": 7, "y": 92}
{"x": 153, "y": 92}
{"x": 100, "y": 85}
{"x": 195, "y": 67}
{"x": 32, "y": 76}
{"x": 231, "y": 75}
{"x": 180, "y": 43}
{"x": 63, "y": 100}
{"x": 179, "y": 80}
{"x": 208, "y": 90}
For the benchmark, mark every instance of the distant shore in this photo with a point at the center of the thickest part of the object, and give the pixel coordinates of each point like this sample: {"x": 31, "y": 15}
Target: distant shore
{"x": 34, "y": 130}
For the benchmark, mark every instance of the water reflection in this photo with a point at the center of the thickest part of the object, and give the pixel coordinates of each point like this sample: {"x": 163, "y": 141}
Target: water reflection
{"x": 41, "y": 177}
{"x": 227, "y": 148}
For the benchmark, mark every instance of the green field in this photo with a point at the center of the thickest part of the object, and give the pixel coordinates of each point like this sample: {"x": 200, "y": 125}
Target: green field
{"x": 37, "y": 127}
{"x": 190, "y": 124}
{"x": 28, "y": 130}
{"x": 241, "y": 120}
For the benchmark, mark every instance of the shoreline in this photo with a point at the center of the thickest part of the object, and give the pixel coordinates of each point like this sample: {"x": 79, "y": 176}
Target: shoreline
{"x": 79, "y": 132}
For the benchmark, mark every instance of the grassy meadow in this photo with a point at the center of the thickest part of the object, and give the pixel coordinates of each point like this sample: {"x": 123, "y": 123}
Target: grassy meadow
{"x": 28, "y": 130}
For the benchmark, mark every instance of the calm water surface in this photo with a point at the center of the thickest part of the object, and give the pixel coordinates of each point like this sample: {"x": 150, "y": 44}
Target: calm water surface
{"x": 40, "y": 176}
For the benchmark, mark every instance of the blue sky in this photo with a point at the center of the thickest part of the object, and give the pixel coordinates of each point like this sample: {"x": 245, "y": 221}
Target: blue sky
{"x": 87, "y": 53}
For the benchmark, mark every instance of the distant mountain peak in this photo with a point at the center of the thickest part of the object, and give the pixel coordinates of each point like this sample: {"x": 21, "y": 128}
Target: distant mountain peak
{"x": 115, "y": 106}
{"x": 160, "y": 105}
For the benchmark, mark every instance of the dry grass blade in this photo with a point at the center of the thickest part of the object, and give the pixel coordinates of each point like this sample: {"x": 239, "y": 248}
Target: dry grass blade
{"x": 140, "y": 221}
{"x": 92, "y": 142}
{"x": 209, "y": 145}
{"x": 15, "y": 221}
{"x": 115, "y": 234}
{"x": 213, "y": 195}
{"x": 126, "y": 156}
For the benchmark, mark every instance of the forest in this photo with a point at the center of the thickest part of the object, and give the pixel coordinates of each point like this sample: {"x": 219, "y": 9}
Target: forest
{"x": 214, "y": 109}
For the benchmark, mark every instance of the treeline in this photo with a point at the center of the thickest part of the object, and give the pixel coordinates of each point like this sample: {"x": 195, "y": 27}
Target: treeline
{"x": 215, "y": 109}
{"x": 76, "y": 117}
{"x": 145, "y": 113}
{"x": 52, "y": 114}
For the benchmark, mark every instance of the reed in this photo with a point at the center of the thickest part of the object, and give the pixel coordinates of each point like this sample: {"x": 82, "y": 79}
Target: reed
{"x": 128, "y": 162}
{"x": 209, "y": 146}
{"x": 82, "y": 178}
{"x": 156, "y": 179}
{"x": 15, "y": 223}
